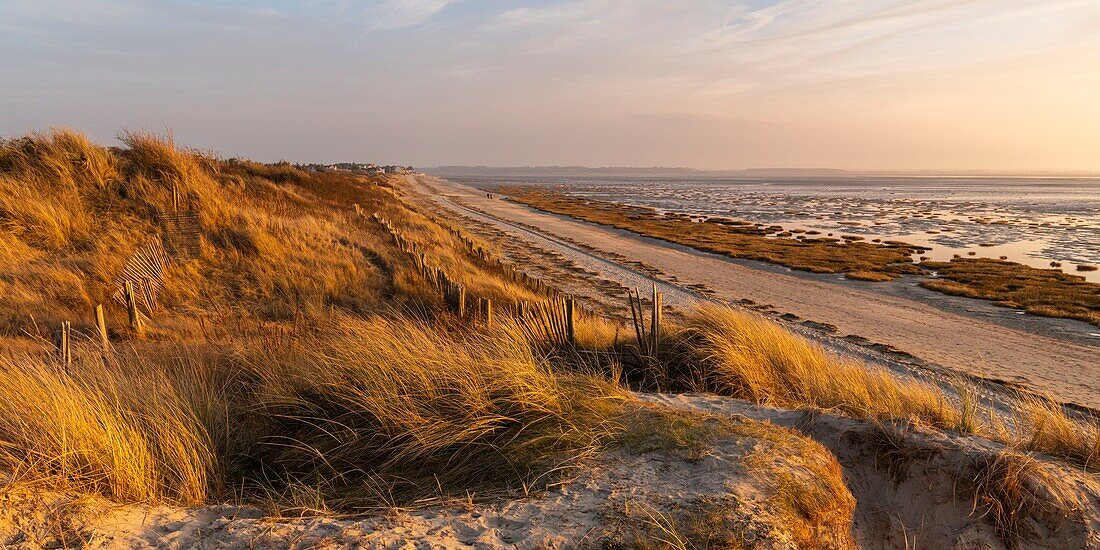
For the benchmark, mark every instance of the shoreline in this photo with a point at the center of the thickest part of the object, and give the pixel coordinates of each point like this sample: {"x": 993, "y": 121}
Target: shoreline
{"x": 945, "y": 334}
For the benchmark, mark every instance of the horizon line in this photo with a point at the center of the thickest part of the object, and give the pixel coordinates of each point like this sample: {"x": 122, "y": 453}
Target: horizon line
{"x": 934, "y": 172}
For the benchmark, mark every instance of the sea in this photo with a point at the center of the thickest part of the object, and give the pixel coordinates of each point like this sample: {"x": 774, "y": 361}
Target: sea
{"x": 1044, "y": 222}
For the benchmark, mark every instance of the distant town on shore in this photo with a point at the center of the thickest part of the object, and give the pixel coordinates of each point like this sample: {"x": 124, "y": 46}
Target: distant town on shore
{"x": 368, "y": 168}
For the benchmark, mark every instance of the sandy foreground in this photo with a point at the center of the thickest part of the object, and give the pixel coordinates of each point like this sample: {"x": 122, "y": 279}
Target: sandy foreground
{"x": 912, "y": 488}
{"x": 584, "y": 513}
{"x": 1045, "y": 355}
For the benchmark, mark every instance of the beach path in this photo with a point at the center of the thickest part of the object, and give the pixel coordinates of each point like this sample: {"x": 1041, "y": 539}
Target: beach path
{"x": 1070, "y": 370}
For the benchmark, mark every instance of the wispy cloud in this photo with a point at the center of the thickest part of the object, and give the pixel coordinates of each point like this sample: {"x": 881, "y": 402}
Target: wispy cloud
{"x": 550, "y": 80}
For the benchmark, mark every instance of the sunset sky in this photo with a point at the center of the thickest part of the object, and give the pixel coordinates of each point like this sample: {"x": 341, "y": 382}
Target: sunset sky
{"x": 986, "y": 85}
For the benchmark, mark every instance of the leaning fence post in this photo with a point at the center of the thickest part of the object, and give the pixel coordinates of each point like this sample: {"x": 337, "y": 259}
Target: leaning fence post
{"x": 132, "y": 309}
{"x": 147, "y": 293}
{"x": 637, "y": 315}
{"x": 570, "y": 333}
{"x": 655, "y": 320}
{"x": 101, "y": 328}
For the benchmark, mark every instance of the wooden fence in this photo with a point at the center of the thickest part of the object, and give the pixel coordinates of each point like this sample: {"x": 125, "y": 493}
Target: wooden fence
{"x": 552, "y": 318}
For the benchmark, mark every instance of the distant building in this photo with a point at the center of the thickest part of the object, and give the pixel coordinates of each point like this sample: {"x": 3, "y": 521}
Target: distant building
{"x": 368, "y": 168}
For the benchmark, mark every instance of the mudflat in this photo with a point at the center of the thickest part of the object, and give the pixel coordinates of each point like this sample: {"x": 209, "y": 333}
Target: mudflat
{"x": 1066, "y": 366}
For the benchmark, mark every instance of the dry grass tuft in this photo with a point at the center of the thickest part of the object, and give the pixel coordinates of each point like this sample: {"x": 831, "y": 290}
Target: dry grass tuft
{"x": 1011, "y": 490}
{"x": 1048, "y": 429}
{"x": 749, "y": 357}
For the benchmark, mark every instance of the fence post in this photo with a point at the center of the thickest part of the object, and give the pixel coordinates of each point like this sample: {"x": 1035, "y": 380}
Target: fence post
{"x": 62, "y": 339}
{"x": 101, "y": 328}
{"x": 461, "y": 301}
{"x": 489, "y": 311}
{"x": 570, "y": 334}
{"x": 655, "y": 320}
{"x": 132, "y": 309}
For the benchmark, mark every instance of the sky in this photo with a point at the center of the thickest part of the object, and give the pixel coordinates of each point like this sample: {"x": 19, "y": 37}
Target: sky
{"x": 1003, "y": 85}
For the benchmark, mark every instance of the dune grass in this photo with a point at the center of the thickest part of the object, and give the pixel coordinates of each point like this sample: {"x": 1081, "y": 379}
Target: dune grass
{"x": 371, "y": 412}
{"x": 108, "y": 428}
{"x": 1011, "y": 489}
{"x": 750, "y": 357}
{"x": 298, "y": 354}
{"x": 747, "y": 356}
{"x": 276, "y": 243}
{"x": 411, "y": 412}
{"x": 1049, "y": 430}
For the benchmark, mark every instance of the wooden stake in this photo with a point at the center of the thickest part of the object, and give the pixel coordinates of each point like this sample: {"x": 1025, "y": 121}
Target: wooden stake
{"x": 132, "y": 309}
{"x": 570, "y": 334}
{"x": 655, "y": 320}
{"x": 62, "y": 339}
{"x": 637, "y": 315}
{"x": 101, "y": 327}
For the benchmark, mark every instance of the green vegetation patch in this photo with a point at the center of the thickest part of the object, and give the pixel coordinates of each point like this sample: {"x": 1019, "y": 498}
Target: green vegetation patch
{"x": 1047, "y": 292}
{"x": 734, "y": 238}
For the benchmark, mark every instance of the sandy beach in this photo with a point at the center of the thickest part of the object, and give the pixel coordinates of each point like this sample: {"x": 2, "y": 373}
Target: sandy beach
{"x": 1044, "y": 355}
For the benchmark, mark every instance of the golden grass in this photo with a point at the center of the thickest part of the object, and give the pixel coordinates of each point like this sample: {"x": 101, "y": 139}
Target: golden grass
{"x": 1012, "y": 489}
{"x": 1049, "y": 430}
{"x": 738, "y": 239}
{"x": 369, "y": 412}
{"x": 418, "y": 409}
{"x": 1047, "y": 292}
{"x": 276, "y": 243}
{"x": 749, "y": 357}
{"x": 108, "y": 428}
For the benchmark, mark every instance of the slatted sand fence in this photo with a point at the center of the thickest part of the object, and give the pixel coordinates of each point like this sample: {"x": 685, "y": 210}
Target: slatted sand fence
{"x": 141, "y": 282}
{"x": 182, "y": 233}
{"x": 455, "y": 294}
{"x": 552, "y": 321}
